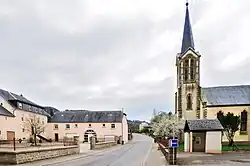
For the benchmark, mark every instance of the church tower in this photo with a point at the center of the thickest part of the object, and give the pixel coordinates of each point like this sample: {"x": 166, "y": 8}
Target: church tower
{"x": 188, "y": 75}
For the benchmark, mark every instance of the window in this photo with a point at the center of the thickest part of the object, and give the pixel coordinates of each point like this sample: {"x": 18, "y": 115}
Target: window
{"x": 30, "y": 108}
{"x": 243, "y": 125}
{"x": 56, "y": 126}
{"x": 112, "y": 126}
{"x": 67, "y": 126}
{"x": 186, "y": 66}
{"x": 0, "y": 132}
{"x": 197, "y": 140}
{"x": 192, "y": 69}
{"x": 6, "y": 118}
{"x": 89, "y": 125}
{"x": 22, "y": 118}
{"x": 23, "y": 130}
{"x": 189, "y": 102}
{"x": 76, "y": 125}
{"x": 103, "y": 125}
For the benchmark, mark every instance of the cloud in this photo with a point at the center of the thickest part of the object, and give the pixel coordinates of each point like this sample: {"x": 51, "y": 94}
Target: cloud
{"x": 111, "y": 54}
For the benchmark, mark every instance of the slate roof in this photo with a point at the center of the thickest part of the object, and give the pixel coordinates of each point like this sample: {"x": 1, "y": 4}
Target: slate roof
{"x": 85, "y": 116}
{"x": 226, "y": 95}
{"x": 187, "y": 40}
{"x": 5, "y": 112}
{"x": 9, "y": 96}
{"x": 51, "y": 110}
{"x": 203, "y": 125}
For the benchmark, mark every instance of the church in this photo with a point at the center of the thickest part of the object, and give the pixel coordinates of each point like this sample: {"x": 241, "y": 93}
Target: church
{"x": 195, "y": 102}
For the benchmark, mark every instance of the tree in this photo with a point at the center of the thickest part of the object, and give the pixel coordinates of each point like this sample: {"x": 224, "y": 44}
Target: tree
{"x": 145, "y": 130}
{"x": 166, "y": 126}
{"x": 34, "y": 126}
{"x": 231, "y": 124}
{"x": 157, "y": 116}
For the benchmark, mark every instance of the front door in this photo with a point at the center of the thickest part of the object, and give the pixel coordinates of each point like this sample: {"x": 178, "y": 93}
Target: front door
{"x": 89, "y": 136}
{"x": 10, "y": 135}
{"x": 199, "y": 141}
{"x": 56, "y": 137}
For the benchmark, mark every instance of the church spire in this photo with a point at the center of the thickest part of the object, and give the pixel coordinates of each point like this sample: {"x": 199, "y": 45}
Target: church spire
{"x": 187, "y": 40}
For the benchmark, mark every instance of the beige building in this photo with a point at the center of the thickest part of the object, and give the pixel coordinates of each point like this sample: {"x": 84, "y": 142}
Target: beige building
{"x": 16, "y": 111}
{"x": 143, "y": 125}
{"x": 195, "y": 102}
{"x": 83, "y": 123}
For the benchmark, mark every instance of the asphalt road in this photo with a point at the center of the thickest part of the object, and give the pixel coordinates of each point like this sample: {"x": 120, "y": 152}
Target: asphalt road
{"x": 134, "y": 153}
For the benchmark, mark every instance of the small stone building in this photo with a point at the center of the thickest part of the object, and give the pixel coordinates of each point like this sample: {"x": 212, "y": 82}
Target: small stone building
{"x": 203, "y": 135}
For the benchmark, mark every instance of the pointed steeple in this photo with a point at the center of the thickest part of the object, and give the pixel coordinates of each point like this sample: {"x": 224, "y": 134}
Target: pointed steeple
{"x": 187, "y": 40}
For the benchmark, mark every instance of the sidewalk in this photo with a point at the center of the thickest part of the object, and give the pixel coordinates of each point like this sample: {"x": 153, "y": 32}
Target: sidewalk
{"x": 155, "y": 157}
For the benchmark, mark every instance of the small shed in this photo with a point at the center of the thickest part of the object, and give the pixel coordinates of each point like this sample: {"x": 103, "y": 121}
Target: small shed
{"x": 203, "y": 135}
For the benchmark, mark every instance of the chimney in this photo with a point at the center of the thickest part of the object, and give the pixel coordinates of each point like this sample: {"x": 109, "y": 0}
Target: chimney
{"x": 21, "y": 95}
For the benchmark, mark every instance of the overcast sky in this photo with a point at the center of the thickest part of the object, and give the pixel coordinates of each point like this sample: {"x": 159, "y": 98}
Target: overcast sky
{"x": 113, "y": 54}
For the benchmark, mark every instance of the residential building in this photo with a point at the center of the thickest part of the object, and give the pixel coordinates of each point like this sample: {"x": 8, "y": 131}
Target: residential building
{"x": 196, "y": 102}
{"x": 142, "y": 125}
{"x": 83, "y": 123}
{"x": 16, "y": 111}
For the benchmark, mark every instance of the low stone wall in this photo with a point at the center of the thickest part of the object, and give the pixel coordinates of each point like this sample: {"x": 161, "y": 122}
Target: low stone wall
{"x": 168, "y": 153}
{"x": 102, "y": 145}
{"x": 18, "y": 157}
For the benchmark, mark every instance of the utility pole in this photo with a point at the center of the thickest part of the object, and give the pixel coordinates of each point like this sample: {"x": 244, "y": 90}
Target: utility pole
{"x": 122, "y": 125}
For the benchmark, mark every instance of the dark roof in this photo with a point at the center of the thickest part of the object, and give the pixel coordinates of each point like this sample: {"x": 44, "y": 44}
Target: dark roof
{"x": 51, "y": 110}
{"x": 5, "y": 112}
{"x": 10, "y": 97}
{"x": 81, "y": 116}
{"x": 203, "y": 125}
{"x": 187, "y": 40}
{"x": 226, "y": 95}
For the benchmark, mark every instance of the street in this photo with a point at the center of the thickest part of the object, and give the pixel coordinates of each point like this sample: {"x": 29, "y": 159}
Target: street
{"x": 132, "y": 154}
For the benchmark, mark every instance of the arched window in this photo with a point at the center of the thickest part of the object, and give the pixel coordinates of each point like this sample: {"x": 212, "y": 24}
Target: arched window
{"x": 189, "y": 102}
{"x": 186, "y": 66}
{"x": 243, "y": 125}
{"x": 192, "y": 69}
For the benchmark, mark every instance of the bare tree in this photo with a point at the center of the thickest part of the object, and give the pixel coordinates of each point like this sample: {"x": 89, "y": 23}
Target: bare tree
{"x": 34, "y": 126}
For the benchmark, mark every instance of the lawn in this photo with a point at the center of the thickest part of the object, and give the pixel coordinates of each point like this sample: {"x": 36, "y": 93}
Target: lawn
{"x": 239, "y": 147}
{"x": 181, "y": 147}
{"x": 224, "y": 147}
